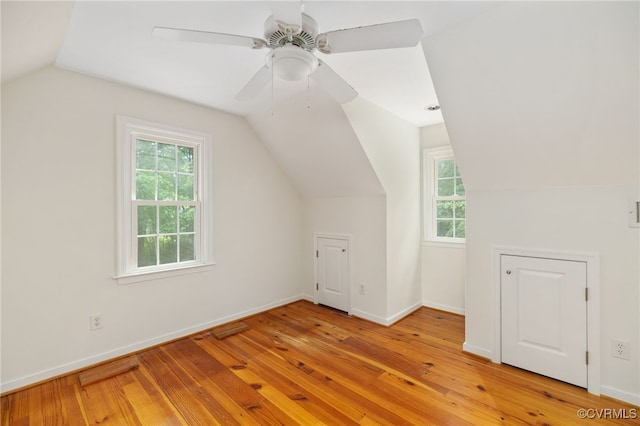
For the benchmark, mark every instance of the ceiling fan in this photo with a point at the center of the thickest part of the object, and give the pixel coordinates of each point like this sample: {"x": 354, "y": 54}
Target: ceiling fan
{"x": 292, "y": 37}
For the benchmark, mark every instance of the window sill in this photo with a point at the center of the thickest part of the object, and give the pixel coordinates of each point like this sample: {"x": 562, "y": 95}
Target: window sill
{"x": 445, "y": 244}
{"x": 155, "y": 275}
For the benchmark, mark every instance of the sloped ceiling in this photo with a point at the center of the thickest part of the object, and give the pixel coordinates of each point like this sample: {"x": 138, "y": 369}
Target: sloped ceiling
{"x": 315, "y": 146}
{"x": 524, "y": 86}
{"x": 114, "y": 40}
{"x": 32, "y": 34}
{"x": 542, "y": 94}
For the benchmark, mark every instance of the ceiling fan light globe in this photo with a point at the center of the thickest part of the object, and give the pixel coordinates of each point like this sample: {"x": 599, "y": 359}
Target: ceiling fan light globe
{"x": 292, "y": 63}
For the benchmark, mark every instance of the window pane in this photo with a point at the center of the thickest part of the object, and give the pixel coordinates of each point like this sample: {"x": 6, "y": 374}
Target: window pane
{"x": 185, "y": 159}
{"x": 446, "y": 168}
{"x": 168, "y": 249}
{"x": 166, "y": 158}
{"x": 187, "y": 248}
{"x": 147, "y": 220}
{"x": 146, "y": 251}
{"x": 166, "y": 187}
{"x": 145, "y": 155}
{"x": 459, "y": 187}
{"x": 444, "y": 209}
{"x": 168, "y": 219}
{"x": 445, "y": 187}
{"x": 165, "y": 207}
{"x": 444, "y": 196}
{"x": 460, "y": 229}
{"x": 185, "y": 187}
{"x": 445, "y": 228}
{"x": 187, "y": 214}
{"x": 145, "y": 185}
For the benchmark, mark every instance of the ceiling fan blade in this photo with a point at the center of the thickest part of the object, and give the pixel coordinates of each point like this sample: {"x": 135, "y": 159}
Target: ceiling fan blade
{"x": 288, "y": 15}
{"x": 258, "y": 82}
{"x": 178, "y": 34}
{"x": 333, "y": 84}
{"x": 372, "y": 37}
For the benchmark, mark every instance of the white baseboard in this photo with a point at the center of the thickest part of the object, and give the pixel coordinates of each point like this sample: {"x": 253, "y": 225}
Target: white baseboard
{"x": 476, "y": 350}
{"x": 631, "y": 398}
{"x": 135, "y": 347}
{"x": 307, "y": 297}
{"x": 79, "y": 364}
{"x": 397, "y": 317}
{"x": 442, "y": 307}
{"x": 369, "y": 317}
{"x": 386, "y": 321}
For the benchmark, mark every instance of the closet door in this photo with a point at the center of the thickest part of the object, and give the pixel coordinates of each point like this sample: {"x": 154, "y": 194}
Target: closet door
{"x": 333, "y": 283}
{"x": 544, "y": 316}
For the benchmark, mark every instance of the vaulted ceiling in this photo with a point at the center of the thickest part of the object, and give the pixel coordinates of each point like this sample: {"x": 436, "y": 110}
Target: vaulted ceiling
{"x": 537, "y": 82}
{"x": 306, "y": 131}
{"x": 113, "y": 40}
{"x": 543, "y": 94}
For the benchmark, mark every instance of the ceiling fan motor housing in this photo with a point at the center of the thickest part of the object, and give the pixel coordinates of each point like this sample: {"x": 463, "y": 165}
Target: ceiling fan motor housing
{"x": 304, "y": 37}
{"x": 292, "y": 47}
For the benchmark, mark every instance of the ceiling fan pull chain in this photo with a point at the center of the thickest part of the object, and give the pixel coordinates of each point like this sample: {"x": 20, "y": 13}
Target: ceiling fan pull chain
{"x": 272, "y": 90}
{"x": 308, "y": 91}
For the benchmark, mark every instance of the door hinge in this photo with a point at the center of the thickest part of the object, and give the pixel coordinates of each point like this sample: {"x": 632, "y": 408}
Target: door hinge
{"x": 316, "y": 253}
{"x": 317, "y": 286}
{"x": 587, "y": 357}
{"x": 586, "y": 294}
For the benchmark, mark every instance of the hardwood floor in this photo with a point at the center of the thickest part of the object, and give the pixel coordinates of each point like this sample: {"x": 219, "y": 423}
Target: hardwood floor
{"x": 307, "y": 364}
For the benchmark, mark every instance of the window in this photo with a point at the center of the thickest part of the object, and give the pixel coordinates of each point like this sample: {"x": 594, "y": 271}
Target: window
{"x": 444, "y": 197}
{"x": 163, "y": 223}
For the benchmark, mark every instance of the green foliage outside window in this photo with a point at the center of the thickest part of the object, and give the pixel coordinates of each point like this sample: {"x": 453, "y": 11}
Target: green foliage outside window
{"x": 166, "y": 203}
{"x": 450, "y": 203}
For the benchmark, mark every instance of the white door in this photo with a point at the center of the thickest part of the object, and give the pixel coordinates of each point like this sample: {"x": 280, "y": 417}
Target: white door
{"x": 544, "y": 316}
{"x": 332, "y": 260}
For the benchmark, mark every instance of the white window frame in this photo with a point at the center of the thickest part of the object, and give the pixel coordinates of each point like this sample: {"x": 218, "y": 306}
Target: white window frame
{"x": 127, "y": 131}
{"x": 430, "y": 157}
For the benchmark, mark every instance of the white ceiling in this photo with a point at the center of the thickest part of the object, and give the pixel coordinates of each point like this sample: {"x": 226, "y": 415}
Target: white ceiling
{"x": 305, "y": 130}
{"x": 113, "y": 40}
{"x": 331, "y": 162}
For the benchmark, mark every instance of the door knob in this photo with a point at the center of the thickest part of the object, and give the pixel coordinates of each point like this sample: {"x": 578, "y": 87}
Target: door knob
{"x": 508, "y": 271}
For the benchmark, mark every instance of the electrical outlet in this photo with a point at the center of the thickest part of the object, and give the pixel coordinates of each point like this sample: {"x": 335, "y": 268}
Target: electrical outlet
{"x": 361, "y": 288}
{"x": 96, "y": 321}
{"x": 619, "y": 349}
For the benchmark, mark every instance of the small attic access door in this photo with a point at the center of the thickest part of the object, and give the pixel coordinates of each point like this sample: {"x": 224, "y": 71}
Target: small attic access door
{"x": 332, "y": 271}
{"x": 544, "y": 317}
{"x": 583, "y": 273}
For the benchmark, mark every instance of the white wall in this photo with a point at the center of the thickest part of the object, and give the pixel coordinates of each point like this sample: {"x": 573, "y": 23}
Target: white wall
{"x": 443, "y": 265}
{"x": 589, "y": 219}
{"x": 310, "y": 137}
{"x": 544, "y": 124}
{"x": 392, "y": 146}
{"x": 59, "y": 218}
{"x": 564, "y": 100}
{"x": 443, "y": 276}
{"x": 364, "y": 219}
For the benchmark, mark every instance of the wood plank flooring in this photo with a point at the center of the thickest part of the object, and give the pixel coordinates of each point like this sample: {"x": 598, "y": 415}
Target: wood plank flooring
{"x": 311, "y": 365}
